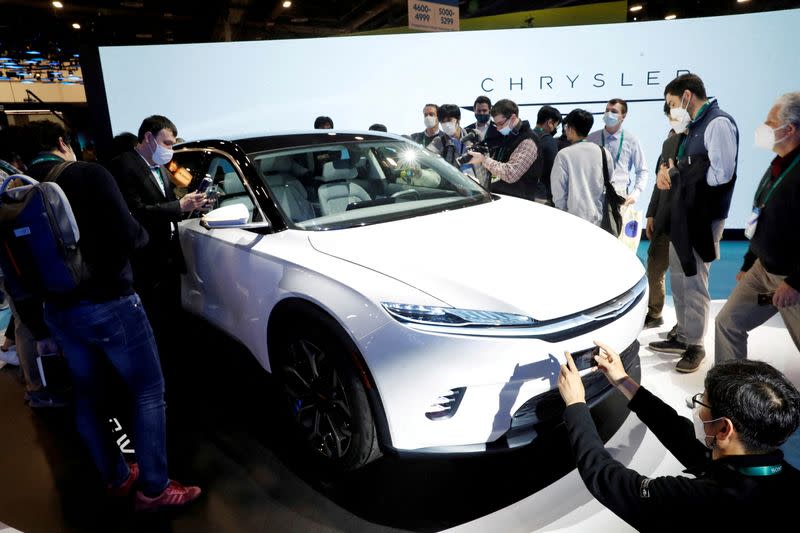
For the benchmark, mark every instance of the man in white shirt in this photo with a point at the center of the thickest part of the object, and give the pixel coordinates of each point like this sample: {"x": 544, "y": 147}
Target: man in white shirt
{"x": 577, "y": 179}
{"x": 625, "y": 150}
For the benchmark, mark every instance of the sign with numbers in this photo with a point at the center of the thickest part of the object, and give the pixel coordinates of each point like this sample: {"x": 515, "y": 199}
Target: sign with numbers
{"x": 436, "y": 15}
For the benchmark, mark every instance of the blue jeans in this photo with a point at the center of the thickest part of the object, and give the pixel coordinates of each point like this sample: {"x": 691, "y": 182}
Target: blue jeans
{"x": 117, "y": 332}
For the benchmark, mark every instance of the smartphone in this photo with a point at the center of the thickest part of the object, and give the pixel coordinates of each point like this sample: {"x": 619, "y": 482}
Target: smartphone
{"x": 765, "y": 298}
{"x": 205, "y": 184}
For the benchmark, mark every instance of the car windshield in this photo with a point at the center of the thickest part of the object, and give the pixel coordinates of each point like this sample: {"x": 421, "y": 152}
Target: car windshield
{"x": 341, "y": 185}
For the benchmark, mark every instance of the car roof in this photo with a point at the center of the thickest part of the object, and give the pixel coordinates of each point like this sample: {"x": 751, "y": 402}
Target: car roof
{"x": 291, "y": 139}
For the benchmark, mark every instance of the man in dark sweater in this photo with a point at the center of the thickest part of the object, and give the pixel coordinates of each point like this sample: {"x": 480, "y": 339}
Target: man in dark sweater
{"x": 102, "y": 325}
{"x": 747, "y": 410}
{"x": 769, "y": 282}
{"x": 547, "y": 121}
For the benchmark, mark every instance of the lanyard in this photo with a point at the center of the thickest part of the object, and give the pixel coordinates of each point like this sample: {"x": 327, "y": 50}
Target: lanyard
{"x": 682, "y": 147}
{"x": 760, "y": 470}
{"x": 763, "y": 184}
{"x": 621, "y": 140}
{"x": 43, "y": 157}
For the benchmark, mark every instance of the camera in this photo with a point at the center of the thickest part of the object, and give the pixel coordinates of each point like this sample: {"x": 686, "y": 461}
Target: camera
{"x": 480, "y": 147}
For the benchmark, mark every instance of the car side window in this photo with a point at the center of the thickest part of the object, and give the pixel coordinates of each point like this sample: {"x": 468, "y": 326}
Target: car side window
{"x": 187, "y": 169}
{"x": 228, "y": 187}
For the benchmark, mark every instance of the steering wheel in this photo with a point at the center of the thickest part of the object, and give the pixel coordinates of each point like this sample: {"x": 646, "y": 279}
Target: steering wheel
{"x": 406, "y": 192}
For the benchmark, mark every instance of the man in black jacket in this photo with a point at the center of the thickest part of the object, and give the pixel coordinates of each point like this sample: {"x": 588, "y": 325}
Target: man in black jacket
{"x": 657, "y": 229}
{"x": 145, "y": 183}
{"x": 514, "y": 165}
{"x": 101, "y": 325}
{"x": 769, "y": 282}
{"x": 747, "y": 410}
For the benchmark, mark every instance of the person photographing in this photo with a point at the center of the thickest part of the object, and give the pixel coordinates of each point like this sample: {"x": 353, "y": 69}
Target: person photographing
{"x": 747, "y": 410}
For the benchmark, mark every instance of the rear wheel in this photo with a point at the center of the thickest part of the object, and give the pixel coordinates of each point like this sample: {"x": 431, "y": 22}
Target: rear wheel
{"x": 326, "y": 402}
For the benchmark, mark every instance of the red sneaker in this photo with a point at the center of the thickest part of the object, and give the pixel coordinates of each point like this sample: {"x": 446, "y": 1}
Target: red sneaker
{"x": 174, "y": 495}
{"x": 125, "y": 487}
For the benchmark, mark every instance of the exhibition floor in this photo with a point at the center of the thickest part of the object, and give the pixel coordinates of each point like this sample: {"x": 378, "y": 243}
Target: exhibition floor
{"x": 224, "y": 435}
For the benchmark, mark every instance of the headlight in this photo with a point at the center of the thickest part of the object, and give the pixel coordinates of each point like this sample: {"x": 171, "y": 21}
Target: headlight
{"x": 449, "y": 316}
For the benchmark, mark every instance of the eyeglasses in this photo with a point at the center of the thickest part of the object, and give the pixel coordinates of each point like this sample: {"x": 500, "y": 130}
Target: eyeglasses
{"x": 694, "y": 401}
{"x": 499, "y": 125}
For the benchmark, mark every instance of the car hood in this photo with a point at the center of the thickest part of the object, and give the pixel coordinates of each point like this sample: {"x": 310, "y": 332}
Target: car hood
{"x": 508, "y": 255}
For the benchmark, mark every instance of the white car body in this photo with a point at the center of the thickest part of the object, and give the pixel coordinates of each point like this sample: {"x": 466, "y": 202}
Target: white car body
{"x": 508, "y": 255}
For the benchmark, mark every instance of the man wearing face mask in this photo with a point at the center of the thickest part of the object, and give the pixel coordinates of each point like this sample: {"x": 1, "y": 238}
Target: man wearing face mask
{"x": 514, "y": 164}
{"x": 748, "y": 409}
{"x": 145, "y": 183}
{"x": 547, "y": 120}
{"x": 449, "y": 145}
{"x": 769, "y": 281}
{"x": 701, "y": 180}
{"x": 625, "y": 149}
{"x": 483, "y": 120}
{"x": 431, "y": 131}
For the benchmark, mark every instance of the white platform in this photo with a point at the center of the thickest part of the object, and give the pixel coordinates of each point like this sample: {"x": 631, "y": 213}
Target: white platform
{"x": 566, "y": 505}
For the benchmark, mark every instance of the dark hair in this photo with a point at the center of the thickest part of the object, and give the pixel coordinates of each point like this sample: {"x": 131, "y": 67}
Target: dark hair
{"x": 154, "y": 124}
{"x": 666, "y": 109}
{"x": 447, "y": 111}
{"x": 436, "y": 107}
{"x": 124, "y": 142}
{"x": 686, "y": 81}
{"x": 580, "y": 120}
{"x": 505, "y": 107}
{"x": 482, "y": 100}
{"x": 43, "y": 136}
{"x": 621, "y": 102}
{"x": 762, "y": 404}
{"x": 546, "y": 113}
{"x": 319, "y": 122}
{"x": 378, "y": 127}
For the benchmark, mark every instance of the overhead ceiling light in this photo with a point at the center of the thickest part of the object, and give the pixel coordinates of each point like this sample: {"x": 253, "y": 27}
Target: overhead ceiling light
{"x": 637, "y": 7}
{"x": 671, "y": 17}
{"x": 742, "y": 1}
{"x": 58, "y": 5}
{"x": 33, "y": 53}
{"x": 76, "y": 25}
{"x": 287, "y": 3}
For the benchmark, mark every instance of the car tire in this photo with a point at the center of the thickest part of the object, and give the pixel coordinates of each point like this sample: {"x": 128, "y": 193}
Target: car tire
{"x": 326, "y": 402}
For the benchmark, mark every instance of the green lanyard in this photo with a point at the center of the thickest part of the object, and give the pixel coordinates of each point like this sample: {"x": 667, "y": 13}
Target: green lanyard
{"x": 763, "y": 184}
{"x": 760, "y": 470}
{"x": 621, "y": 140}
{"x": 682, "y": 147}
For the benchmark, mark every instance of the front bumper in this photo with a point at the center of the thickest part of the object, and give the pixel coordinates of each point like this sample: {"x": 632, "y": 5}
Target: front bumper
{"x": 500, "y": 390}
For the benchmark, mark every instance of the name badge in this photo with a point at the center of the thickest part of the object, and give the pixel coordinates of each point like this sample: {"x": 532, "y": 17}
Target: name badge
{"x": 752, "y": 222}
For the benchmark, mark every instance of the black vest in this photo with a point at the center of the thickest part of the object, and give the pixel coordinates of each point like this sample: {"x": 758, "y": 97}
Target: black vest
{"x": 525, "y": 187}
{"x": 717, "y": 199}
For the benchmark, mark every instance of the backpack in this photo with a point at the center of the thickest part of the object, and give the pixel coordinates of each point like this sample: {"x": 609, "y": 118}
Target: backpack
{"x": 39, "y": 252}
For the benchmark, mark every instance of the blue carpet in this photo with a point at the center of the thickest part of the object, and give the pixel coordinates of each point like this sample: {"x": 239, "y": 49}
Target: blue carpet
{"x": 722, "y": 278}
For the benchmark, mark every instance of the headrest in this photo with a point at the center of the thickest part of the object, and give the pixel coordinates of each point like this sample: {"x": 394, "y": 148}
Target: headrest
{"x": 338, "y": 171}
{"x": 275, "y": 164}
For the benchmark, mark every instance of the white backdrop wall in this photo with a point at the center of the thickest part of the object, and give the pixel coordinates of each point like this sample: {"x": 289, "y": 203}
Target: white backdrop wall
{"x": 228, "y": 90}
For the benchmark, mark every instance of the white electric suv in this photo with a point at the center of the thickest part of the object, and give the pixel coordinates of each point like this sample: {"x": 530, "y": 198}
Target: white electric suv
{"x": 400, "y": 305}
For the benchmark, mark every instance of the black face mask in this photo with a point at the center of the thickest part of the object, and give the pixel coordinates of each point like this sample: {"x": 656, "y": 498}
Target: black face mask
{"x": 482, "y": 118}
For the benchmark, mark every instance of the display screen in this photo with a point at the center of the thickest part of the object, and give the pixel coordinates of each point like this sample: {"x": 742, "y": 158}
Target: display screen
{"x": 227, "y": 90}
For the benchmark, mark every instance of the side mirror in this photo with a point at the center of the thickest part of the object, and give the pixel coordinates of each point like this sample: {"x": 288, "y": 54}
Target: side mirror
{"x": 230, "y": 216}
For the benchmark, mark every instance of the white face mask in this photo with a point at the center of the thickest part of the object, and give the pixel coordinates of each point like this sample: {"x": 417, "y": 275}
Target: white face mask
{"x": 449, "y": 128}
{"x": 610, "y": 119}
{"x": 680, "y": 117}
{"x": 710, "y": 441}
{"x": 161, "y": 154}
{"x": 430, "y": 121}
{"x": 765, "y": 136}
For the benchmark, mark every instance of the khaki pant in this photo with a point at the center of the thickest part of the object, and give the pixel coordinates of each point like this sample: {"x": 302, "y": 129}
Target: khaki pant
{"x": 742, "y": 313}
{"x": 690, "y": 294}
{"x": 657, "y": 264}
{"x": 26, "y": 352}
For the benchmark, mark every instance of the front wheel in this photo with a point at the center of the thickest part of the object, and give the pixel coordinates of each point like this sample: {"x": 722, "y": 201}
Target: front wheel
{"x": 326, "y": 401}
